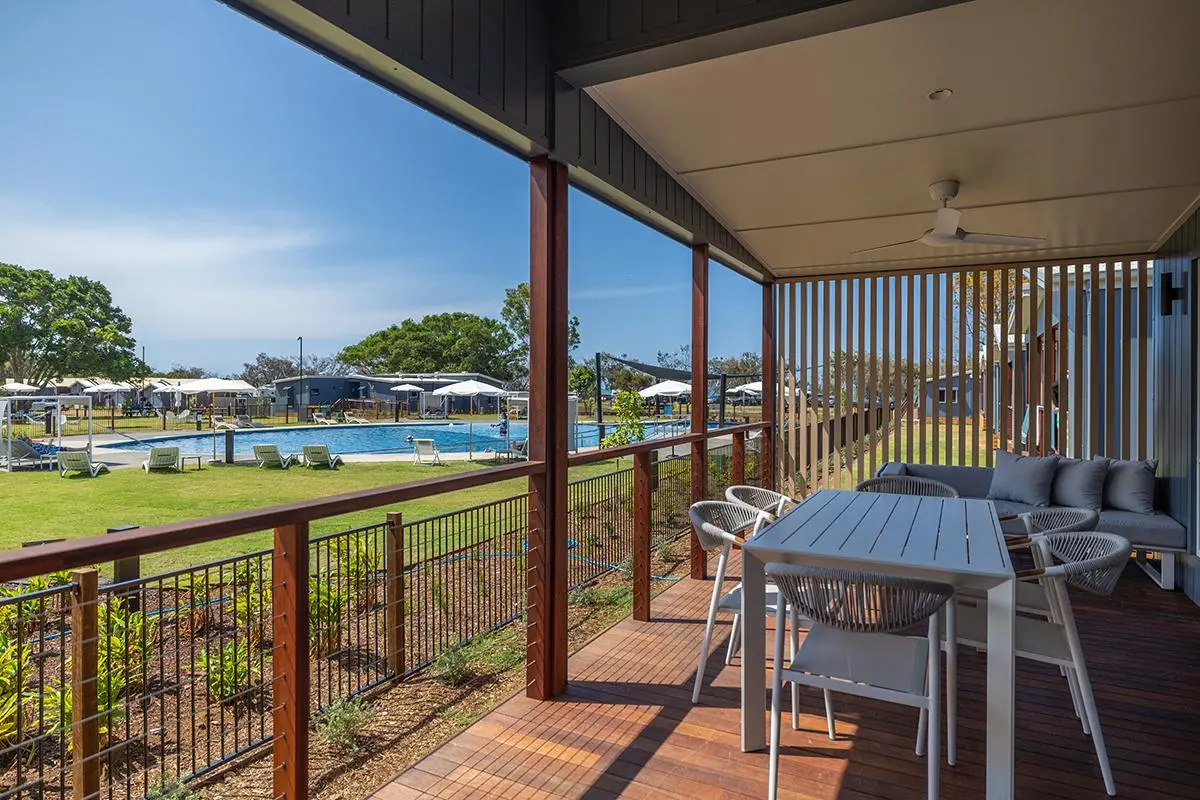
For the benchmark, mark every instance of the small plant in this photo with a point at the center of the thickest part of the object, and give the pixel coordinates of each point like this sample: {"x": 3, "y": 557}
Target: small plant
{"x": 252, "y": 613}
{"x": 174, "y": 790}
{"x": 438, "y": 594}
{"x": 668, "y": 551}
{"x": 627, "y": 407}
{"x": 593, "y": 540}
{"x": 326, "y": 604}
{"x": 229, "y": 672}
{"x": 453, "y": 667}
{"x": 610, "y": 527}
{"x": 341, "y": 724}
{"x": 582, "y": 596}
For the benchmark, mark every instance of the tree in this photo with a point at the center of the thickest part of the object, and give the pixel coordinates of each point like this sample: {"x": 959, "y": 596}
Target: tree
{"x": 680, "y": 359}
{"x": 451, "y": 342}
{"x": 51, "y": 327}
{"x": 582, "y": 381}
{"x": 515, "y": 313}
{"x": 180, "y": 371}
{"x": 627, "y": 406}
{"x": 266, "y": 369}
{"x": 748, "y": 363}
{"x": 972, "y": 295}
{"x": 621, "y": 377}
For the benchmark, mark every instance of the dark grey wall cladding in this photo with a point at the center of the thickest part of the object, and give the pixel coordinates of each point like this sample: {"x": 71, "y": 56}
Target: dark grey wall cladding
{"x": 490, "y": 53}
{"x": 587, "y": 137}
{"x": 1174, "y": 369}
{"x": 493, "y": 55}
{"x": 588, "y": 30}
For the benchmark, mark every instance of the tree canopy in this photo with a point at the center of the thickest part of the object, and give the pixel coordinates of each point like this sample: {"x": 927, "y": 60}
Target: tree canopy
{"x": 183, "y": 371}
{"x": 450, "y": 342}
{"x": 515, "y": 314}
{"x": 266, "y": 369}
{"x": 53, "y": 327}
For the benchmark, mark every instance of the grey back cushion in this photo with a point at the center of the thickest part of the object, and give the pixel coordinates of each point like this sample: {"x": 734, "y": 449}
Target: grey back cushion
{"x": 1079, "y": 483}
{"x": 967, "y": 481}
{"x": 1129, "y": 485}
{"x": 1023, "y": 479}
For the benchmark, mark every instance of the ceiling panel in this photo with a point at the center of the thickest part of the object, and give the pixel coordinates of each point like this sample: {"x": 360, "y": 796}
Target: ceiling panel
{"x": 1113, "y": 223}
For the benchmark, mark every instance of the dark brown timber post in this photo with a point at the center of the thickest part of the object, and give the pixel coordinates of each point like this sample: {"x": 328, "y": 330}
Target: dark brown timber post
{"x": 546, "y": 571}
{"x": 699, "y": 561}
{"x": 290, "y": 681}
{"x": 641, "y": 536}
{"x": 394, "y": 592}
{"x": 85, "y": 721}
{"x": 766, "y": 452}
{"x": 737, "y": 469}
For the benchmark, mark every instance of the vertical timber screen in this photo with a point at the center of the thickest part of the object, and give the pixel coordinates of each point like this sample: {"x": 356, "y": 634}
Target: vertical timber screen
{"x": 948, "y": 365}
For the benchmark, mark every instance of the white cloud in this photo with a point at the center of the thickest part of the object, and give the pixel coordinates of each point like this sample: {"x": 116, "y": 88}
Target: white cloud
{"x": 615, "y": 292}
{"x": 236, "y": 276}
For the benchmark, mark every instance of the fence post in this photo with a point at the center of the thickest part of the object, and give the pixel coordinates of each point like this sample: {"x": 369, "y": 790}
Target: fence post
{"x": 290, "y": 679}
{"x": 85, "y": 721}
{"x": 394, "y": 593}
{"x": 641, "y": 536}
{"x": 737, "y": 470}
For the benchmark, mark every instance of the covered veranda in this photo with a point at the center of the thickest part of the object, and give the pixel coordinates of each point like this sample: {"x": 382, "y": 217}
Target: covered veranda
{"x": 781, "y": 140}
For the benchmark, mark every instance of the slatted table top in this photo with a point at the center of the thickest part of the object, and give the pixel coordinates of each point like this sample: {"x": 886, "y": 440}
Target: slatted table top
{"x": 933, "y": 536}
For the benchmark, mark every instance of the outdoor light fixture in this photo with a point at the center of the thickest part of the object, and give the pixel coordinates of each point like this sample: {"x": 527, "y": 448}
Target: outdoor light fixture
{"x": 941, "y": 94}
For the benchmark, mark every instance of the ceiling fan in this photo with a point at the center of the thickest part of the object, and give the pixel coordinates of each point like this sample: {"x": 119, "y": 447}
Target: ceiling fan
{"x": 945, "y": 230}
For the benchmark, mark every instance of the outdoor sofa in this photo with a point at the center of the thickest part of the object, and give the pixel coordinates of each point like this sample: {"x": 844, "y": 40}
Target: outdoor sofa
{"x": 1149, "y": 533}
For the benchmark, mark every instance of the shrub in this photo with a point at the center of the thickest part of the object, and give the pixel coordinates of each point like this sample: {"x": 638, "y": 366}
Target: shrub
{"x": 252, "y": 613}
{"x": 627, "y": 406}
{"x": 341, "y": 724}
{"x": 229, "y": 672}
{"x": 326, "y": 604}
{"x": 453, "y": 667}
{"x": 174, "y": 790}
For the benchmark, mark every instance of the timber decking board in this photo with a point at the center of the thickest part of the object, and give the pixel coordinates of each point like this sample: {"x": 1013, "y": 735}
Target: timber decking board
{"x": 626, "y": 726}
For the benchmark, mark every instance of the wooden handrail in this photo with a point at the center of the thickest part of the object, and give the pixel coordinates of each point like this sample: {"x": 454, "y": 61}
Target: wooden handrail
{"x": 30, "y": 561}
{"x": 646, "y": 445}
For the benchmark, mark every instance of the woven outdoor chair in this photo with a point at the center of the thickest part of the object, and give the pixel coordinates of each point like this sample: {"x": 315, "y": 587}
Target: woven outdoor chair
{"x": 855, "y": 647}
{"x": 907, "y": 484}
{"x": 1089, "y": 560}
{"x": 759, "y": 499}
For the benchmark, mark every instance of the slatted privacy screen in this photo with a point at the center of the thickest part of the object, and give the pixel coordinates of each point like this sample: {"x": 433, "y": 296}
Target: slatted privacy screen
{"x": 944, "y": 367}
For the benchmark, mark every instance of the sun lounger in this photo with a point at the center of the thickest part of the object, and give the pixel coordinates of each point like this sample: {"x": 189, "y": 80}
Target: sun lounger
{"x": 425, "y": 451}
{"x": 268, "y": 456}
{"x": 25, "y": 453}
{"x": 357, "y": 420}
{"x": 219, "y": 423}
{"x": 317, "y": 455}
{"x": 77, "y": 461}
{"x": 519, "y": 449}
{"x": 319, "y": 417}
{"x": 244, "y": 421}
{"x": 163, "y": 458}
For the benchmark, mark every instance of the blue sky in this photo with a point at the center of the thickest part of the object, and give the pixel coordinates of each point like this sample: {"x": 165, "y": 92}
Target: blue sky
{"x": 235, "y": 190}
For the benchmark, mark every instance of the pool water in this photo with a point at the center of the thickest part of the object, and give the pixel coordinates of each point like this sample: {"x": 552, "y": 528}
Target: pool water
{"x": 451, "y": 437}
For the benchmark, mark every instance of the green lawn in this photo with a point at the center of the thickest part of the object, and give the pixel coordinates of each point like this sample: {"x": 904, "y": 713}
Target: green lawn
{"x": 44, "y": 506}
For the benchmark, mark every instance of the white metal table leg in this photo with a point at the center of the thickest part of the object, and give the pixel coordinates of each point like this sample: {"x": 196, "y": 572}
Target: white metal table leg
{"x": 1001, "y": 690}
{"x": 754, "y": 674}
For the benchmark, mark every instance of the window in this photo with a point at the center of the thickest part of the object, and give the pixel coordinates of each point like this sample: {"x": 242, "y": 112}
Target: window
{"x": 953, "y": 394}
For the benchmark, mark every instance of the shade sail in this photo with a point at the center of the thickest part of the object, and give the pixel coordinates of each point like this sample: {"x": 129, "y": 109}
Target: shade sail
{"x": 406, "y": 387}
{"x": 666, "y": 389}
{"x": 469, "y": 389}
{"x": 16, "y": 387}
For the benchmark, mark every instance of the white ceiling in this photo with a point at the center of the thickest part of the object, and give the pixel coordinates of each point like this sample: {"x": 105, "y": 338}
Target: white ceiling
{"x": 1077, "y": 121}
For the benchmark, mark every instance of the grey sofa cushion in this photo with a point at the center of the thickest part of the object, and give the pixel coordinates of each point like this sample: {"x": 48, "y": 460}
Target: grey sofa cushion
{"x": 1130, "y": 485}
{"x": 891, "y": 468}
{"x": 967, "y": 481}
{"x": 1079, "y": 483}
{"x": 1153, "y": 530}
{"x": 1025, "y": 479}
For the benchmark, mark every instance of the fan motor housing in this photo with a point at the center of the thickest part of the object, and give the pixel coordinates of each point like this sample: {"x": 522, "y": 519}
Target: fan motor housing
{"x": 943, "y": 191}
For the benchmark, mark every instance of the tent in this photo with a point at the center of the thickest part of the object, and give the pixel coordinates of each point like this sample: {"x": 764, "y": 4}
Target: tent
{"x": 406, "y": 387}
{"x": 471, "y": 388}
{"x": 16, "y": 387}
{"x": 212, "y": 385}
{"x": 754, "y": 387}
{"x": 666, "y": 389}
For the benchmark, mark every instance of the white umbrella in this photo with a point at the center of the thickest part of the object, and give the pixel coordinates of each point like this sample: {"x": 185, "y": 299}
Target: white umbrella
{"x": 754, "y": 387}
{"x": 406, "y": 387}
{"x": 469, "y": 389}
{"x": 666, "y": 389}
{"x": 16, "y": 387}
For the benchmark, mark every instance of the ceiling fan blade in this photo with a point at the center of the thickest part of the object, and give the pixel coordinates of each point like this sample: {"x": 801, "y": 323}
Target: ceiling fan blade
{"x": 884, "y": 246}
{"x": 1000, "y": 238}
{"x": 947, "y": 220}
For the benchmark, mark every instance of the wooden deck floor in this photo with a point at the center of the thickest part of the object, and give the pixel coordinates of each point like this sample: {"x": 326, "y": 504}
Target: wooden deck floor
{"x": 627, "y": 728}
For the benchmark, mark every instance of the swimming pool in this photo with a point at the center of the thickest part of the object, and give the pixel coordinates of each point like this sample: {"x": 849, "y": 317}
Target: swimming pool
{"x": 451, "y": 437}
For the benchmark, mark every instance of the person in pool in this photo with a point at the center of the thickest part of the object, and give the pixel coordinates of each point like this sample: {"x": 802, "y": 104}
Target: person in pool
{"x": 503, "y": 423}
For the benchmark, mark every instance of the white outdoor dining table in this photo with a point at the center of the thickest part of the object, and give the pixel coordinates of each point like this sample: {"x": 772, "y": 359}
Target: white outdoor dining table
{"x": 948, "y": 540}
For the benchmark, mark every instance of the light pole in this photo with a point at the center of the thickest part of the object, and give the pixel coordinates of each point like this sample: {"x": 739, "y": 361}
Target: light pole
{"x": 300, "y": 394}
